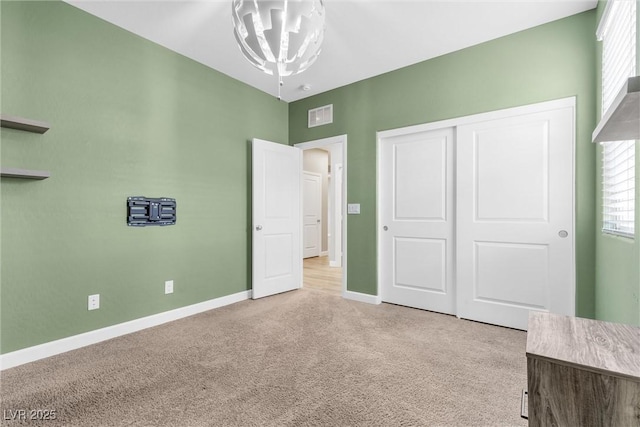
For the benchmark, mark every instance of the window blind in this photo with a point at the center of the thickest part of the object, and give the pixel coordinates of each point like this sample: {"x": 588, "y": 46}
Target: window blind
{"x": 618, "y": 34}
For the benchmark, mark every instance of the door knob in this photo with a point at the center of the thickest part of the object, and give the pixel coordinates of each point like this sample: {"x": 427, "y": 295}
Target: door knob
{"x": 258, "y": 227}
{"x": 318, "y": 221}
{"x": 563, "y": 233}
{"x": 385, "y": 228}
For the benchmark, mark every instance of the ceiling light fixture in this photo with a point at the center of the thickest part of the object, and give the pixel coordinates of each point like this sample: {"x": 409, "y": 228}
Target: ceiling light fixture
{"x": 281, "y": 37}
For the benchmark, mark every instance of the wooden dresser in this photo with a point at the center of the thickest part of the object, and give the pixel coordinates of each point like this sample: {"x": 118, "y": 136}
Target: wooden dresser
{"x": 582, "y": 372}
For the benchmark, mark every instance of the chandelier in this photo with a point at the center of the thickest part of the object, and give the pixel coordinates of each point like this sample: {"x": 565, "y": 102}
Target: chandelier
{"x": 281, "y": 37}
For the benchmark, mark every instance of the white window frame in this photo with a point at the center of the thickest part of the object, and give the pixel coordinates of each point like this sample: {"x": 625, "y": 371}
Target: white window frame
{"x": 617, "y": 30}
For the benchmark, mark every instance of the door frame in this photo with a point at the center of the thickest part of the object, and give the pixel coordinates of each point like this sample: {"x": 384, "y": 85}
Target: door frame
{"x": 322, "y": 143}
{"x": 335, "y": 185}
{"x": 454, "y": 123}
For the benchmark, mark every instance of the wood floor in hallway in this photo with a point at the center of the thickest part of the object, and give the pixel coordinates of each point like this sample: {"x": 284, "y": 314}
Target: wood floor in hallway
{"x": 319, "y": 275}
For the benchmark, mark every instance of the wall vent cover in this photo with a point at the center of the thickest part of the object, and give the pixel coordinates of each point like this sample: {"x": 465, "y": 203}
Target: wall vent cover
{"x": 321, "y": 116}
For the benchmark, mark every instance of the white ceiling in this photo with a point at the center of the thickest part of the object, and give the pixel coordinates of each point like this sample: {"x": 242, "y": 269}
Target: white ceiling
{"x": 363, "y": 38}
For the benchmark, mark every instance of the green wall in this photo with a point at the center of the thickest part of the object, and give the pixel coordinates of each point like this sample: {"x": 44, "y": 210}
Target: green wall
{"x": 132, "y": 118}
{"x": 617, "y": 258}
{"x": 551, "y": 61}
{"x": 128, "y": 117}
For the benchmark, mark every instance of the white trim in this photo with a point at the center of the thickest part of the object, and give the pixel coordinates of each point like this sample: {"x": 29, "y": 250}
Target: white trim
{"x": 336, "y": 214}
{"x": 31, "y": 354}
{"x": 379, "y": 136}
{"x": 319, "y": 143}
{"x": 366, "y": 298}
{"x": 334, "y": 264}
{"x": 324, "y": 253}
{"x": 574, "y": 263}
{"x": 481, "y": 117}
{"x": 604, "y": 20}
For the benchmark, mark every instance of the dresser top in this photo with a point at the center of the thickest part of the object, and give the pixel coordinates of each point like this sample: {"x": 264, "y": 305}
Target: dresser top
{"x": 603, "y": 347}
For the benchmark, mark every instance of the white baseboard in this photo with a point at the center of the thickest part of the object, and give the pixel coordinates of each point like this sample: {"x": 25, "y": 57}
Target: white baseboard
{"x": 324, "y": 253}
{"x": 30, "y": 354}
{"x": 357, "y": 296}
{"x": 334, "y": 264}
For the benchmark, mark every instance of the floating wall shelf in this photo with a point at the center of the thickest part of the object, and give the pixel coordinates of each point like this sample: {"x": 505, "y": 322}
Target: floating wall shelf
{"x": 27, "y": 125}
{"x": 24, "y": 173}
{"x": 20, "y": 123}
{"x": 621, "y": 122}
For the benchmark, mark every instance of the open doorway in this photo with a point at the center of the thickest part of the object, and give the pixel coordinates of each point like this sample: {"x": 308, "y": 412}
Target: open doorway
{"x": 324, "y": 227}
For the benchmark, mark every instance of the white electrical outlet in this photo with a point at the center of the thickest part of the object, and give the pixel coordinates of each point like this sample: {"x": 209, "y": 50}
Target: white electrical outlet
{"x": 168, "y": 287}
{"x": 353, "y": 209}
{"x": 94, "y": 302}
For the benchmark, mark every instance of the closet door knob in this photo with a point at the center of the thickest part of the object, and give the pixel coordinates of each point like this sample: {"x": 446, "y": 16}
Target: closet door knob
{"x": 385, "y": 228}
{"x": 258, "y": 227}
{"x": 563, "y": 233}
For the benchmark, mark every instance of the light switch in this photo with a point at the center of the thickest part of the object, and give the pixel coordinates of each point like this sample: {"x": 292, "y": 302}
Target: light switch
{"x": 353, "y": 209}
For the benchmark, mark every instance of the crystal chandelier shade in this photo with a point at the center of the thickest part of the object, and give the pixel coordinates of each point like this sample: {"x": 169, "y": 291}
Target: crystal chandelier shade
{"x": 279, "y": 37}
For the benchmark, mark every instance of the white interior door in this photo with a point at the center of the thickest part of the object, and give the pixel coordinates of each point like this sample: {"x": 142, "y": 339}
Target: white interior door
{"x": 416, "y": 219}
{"x": 515, "y": 217}
{"x": 276, "y": 217}
{"x": 312, "y": 213}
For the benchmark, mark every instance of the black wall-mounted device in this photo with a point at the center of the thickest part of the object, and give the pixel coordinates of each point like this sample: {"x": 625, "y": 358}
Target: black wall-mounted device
{"x": 144, "y": 211}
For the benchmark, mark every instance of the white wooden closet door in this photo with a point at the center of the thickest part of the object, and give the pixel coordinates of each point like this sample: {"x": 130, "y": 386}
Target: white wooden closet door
{"x": 515, "y": 217}
{"x": 416, "y": 176}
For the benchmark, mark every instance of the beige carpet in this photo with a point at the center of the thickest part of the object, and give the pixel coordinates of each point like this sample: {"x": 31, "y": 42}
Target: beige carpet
{"x": 295, "y": 359}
